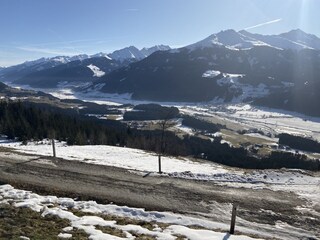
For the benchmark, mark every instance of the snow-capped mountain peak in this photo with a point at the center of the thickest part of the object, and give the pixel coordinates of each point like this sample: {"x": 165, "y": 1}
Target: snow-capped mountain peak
{"x": 126, "y": 53}
{"x": 80, "y": 57}
{"x": 308, "y": 40}
{"x": 134, "y": 53}
{"x": 57, "y": 60}
{"x": 101, "y": 54}
{"x": 228, "y": 38}
{"x": 295, "y": 39}
{"x": 148, "y": 51}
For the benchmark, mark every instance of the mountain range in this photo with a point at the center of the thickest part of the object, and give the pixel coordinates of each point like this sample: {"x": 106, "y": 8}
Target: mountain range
{"x": 279, "y": 71}
{"x": 295, "y": 40}
{"x": 227, "y": 67}
{"x": 48, "y": 72}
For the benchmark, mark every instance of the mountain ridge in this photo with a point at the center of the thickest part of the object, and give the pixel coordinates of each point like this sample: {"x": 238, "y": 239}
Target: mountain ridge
{"x": 212, "y": 72}
{"x": 243, "y": 39}
{"x": 22, "y": 72}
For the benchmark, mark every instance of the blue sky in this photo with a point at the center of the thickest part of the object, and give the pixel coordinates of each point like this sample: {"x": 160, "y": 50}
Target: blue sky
{"x": 31, "y": 29}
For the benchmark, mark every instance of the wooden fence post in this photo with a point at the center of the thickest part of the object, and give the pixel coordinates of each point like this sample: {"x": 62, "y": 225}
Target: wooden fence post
{"x": 159, "y": 162}
{"x": 233, "y": 218}
{"x": 53, "y": 148}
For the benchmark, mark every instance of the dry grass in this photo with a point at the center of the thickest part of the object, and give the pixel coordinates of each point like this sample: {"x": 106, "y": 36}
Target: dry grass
{"x": 16, "y": 222}
{"x": 112, "y": 231}
{"x": 122, "y": 220}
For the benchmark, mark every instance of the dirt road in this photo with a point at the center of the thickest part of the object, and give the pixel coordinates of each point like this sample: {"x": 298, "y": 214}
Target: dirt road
{"x": 258, "y": 209}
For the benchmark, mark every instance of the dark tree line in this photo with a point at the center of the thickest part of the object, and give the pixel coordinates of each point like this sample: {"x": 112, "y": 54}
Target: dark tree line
{"x": 217, "y": 152}
{"x": 29, "y": 122}
{"x": 151, "y": 112}
{"x": 300, "y": 143}
{"x": 201, "y": 124}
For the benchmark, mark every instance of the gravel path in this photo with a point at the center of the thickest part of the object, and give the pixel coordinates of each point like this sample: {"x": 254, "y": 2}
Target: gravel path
{"x": 259, "y": 209}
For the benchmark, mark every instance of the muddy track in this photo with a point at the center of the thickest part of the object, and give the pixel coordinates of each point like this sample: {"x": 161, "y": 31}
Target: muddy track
{"x": 123, "y": 187}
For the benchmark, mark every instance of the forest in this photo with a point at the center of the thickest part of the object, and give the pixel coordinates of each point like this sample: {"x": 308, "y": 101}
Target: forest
{"x": 24, "y": 123}
{"x": 144, "y": 112}
{"x": 300, "y": 143}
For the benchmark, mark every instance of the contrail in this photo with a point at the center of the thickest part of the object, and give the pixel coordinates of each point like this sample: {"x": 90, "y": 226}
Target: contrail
{"x": 265, "y": 23}
{"x": 47, "y": 51}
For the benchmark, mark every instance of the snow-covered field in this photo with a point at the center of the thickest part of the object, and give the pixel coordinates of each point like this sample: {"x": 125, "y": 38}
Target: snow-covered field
{"x": 62, "y": 208}
{"x": 141, "y": 162}
{"x": 265, "y": 119}
{"x": 128, "y": 158}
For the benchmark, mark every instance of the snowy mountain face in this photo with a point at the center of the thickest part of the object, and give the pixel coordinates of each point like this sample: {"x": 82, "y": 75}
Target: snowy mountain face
{"x": 78, "y": 70}
{"x": 57, "y": 59}
{"x": 300, "y": 37}
{"x": 41, "y": 68}
{"x": 11, "y": 74}
{"x": 74, "y": 73}
{"x": 295, "y": 40}
{"x": 97, "y": 72}
{"x": 127, "y": 53}
{"x": 229, "y": 38}
{"x": 101, "y": 54}
{"x": 134, "y": 53}
{"x": 226, "y": 67}
{"x": 148, "y": 51}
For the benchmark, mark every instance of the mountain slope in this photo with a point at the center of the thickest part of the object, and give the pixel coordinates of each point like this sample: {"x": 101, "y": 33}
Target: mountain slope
{"x": 48, "y": 72}
{"x": 295, "y": 40}
{"x": 301, "y": 37}
{"x": 185, "y": 75}
{"x": 74, "y": 72}
{"x": 229, "y": 38}
{"x": 134, "y": 53}
{"x": 206, "y": 71}
{"x": 10, "y": 74}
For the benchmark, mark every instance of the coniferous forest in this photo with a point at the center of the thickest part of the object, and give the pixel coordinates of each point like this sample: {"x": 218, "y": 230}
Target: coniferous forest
{"x": 29, "y": 122}
{"x": 26, "y": 122}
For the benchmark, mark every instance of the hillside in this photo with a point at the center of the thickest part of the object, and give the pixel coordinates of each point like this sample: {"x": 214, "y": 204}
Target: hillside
{"x": 210, "y": 71}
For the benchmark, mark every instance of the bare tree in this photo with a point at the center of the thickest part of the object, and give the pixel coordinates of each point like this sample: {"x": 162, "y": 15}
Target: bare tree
{"x": 164, "y": 125}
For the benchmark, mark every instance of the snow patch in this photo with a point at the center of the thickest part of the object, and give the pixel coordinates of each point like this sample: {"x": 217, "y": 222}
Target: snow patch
{"x": 211, "y": 74}
{"x": 178, "y": 224}
{"x": 96, "y": 71}
{"x": 128, "y": 158}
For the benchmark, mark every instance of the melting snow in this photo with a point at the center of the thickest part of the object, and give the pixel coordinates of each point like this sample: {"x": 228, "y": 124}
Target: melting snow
{"x": 242, "y": 91}
{"x": 141, "y": 162}
{"x": 128, "y": 158}
{"x": 62, "y": 208}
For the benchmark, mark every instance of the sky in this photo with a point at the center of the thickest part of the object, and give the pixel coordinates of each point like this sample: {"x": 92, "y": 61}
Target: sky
{"x": 31, "y": 29}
